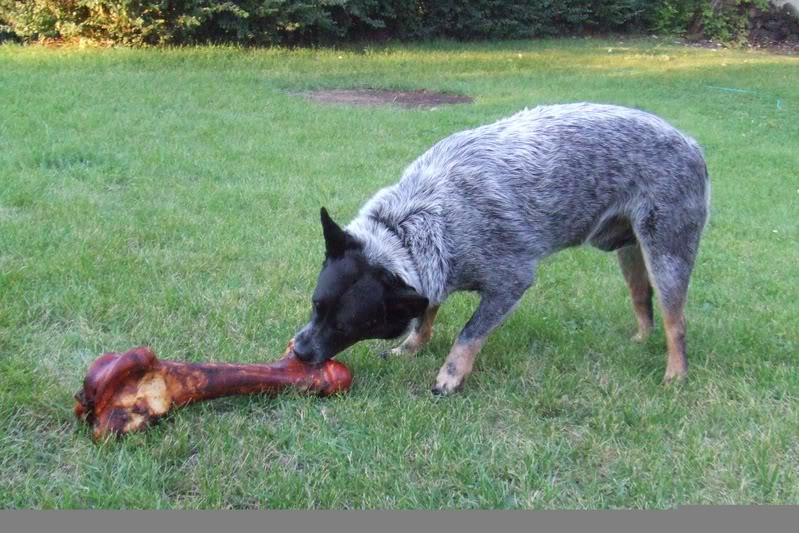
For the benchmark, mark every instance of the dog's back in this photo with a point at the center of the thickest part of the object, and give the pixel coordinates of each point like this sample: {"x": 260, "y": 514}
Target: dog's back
{"x": 509, "y": 193}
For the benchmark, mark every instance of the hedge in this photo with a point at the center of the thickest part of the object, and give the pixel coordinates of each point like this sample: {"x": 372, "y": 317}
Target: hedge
{"x": 266, "y": 22}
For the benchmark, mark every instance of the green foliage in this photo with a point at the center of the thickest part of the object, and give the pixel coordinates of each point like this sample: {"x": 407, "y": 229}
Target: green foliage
{"x": 529, "y": 18}
{"x": 131, "y": 22}
{"x": 721, "y": 20}
{"x": 141, "y": 22}
{"x": 153, "y": 22}
{"x": 38, "y": 18}
{"x": 675, "y": 16}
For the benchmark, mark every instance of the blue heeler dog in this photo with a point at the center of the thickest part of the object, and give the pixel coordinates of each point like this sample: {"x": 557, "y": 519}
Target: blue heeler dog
{"x": 481, "y": 208}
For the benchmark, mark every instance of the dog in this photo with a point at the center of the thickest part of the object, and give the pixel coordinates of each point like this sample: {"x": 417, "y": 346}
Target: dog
{"x": 482, "y": 207}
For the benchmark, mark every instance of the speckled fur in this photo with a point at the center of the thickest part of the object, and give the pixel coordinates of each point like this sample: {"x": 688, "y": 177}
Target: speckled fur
{"x": 483, "y": 207}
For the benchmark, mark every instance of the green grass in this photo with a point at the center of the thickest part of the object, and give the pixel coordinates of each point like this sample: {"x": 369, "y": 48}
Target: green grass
{"x": 171, "y": 198}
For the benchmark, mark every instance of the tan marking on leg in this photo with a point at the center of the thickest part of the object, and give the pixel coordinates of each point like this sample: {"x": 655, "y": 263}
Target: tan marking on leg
{"x": 677, "y": 364}
{"x": 633, "y": 267}
{"x": 420, "y": 335}
{"x": 642, "y": 306}
{"x": 458, "y": 365}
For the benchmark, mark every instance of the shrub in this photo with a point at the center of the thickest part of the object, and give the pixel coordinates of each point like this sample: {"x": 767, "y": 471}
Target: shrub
{"x": 153, "y": 22}
{"x": 721, "y": 20}
{"x": 142, "y": 22}
{"x": 133, "y": 22}
{"x": 39, "y": 18}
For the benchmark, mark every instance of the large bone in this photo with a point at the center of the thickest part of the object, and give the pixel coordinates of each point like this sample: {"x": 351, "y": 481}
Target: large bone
{"x": 129, "y": 392}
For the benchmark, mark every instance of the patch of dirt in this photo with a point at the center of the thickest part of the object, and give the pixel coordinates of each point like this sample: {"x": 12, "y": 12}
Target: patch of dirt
{"x": 755, "y": 43}
{"x": 376, "y": 97}
{"x": 776, "y": 30}
{"x": 789, "y": 48}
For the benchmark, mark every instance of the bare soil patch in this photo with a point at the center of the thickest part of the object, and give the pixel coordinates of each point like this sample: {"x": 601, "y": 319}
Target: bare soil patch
{"x": 377, "y": 97}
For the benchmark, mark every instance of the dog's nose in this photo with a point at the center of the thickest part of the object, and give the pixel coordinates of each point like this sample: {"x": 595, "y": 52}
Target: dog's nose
{"x": 302, "y": 353}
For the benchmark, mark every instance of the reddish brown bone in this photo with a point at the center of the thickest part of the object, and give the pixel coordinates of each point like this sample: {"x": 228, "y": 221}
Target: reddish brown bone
{"x": 128, "y": 392}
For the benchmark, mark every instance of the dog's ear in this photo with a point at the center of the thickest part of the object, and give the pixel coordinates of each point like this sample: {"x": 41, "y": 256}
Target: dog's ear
{"x": 337, "y": 241}
{"x": 406, "y": 302}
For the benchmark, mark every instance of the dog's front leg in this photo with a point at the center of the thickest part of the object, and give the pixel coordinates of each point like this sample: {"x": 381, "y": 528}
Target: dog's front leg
{"x": 420, "y": 335}
{"x": 491, "y": 312}
{"x": 459, "y": 364}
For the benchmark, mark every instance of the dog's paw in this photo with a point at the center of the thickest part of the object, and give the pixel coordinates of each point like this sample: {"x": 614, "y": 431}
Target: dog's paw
{"x": 403, "y": 349}
{"x": 399, "y": 350}
{"x": 447, "y": 384}
{"x": 674, "y": 376}
{"x": 640, "y": 337}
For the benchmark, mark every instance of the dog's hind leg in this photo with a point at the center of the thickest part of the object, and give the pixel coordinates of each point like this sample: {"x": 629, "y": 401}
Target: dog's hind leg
{"x": 419, "y": 336}
{"x": 669, "y": 243}
{"x": 633, "y": 268}
{"x": 492, "y": 311}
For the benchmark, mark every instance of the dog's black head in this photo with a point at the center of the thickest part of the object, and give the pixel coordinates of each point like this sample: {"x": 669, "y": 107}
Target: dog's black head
{"x": 353, "y": 300}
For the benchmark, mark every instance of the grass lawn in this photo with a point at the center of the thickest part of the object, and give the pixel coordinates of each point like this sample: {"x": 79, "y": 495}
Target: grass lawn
{"x": 171, "y": 198}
